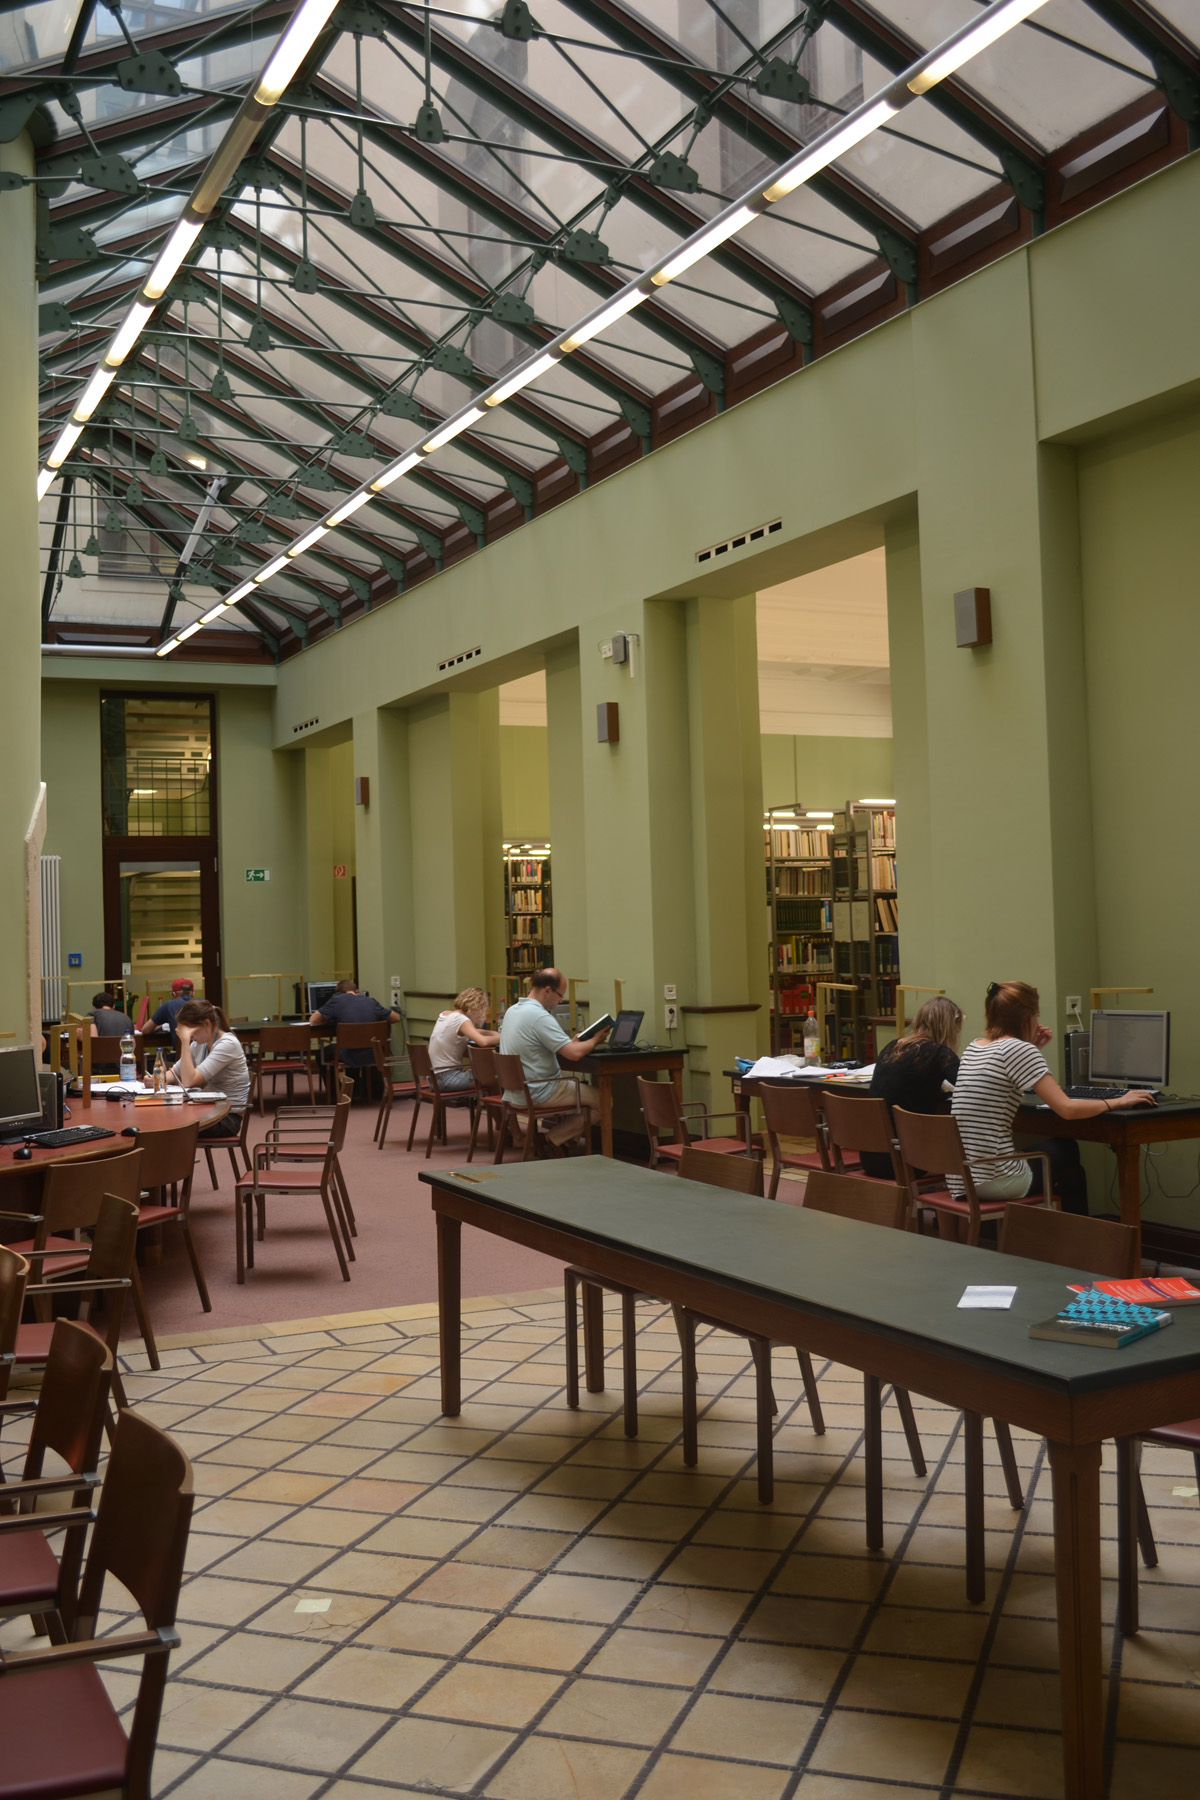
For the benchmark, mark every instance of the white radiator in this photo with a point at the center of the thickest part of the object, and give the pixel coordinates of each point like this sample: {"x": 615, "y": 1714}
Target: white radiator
{"x": 52, "y": 982}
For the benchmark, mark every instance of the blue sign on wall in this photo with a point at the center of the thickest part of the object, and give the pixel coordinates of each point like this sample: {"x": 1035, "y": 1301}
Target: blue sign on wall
{"x": 74, "y": 959}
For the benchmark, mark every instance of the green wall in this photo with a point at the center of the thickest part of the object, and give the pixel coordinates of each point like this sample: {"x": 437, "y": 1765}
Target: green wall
{"x": 824, "y": 772}
{"x": 524, "y": 781}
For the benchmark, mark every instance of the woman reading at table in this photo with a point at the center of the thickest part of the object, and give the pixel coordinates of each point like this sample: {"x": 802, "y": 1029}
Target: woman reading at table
{"x": 210, "y": 1056}
{"x": 995, "y": 1071}
{"x": 917, "y": 1071}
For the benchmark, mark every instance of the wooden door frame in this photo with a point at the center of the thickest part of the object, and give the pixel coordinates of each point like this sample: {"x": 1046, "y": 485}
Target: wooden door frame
{"x": 201, "y": 850}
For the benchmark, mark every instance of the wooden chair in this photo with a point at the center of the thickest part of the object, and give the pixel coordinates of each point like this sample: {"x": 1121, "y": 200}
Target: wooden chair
{"x": 793, "y": 1112}
{"x": 361, "y": 1034}
{"x": 886, "y": 1204}
{"x": 272, "y": 1175}
{"x": 392, "y": 1089}
{"x": 428, "y": 1089}
{"x": 488, "y": 1092}
{"x": 14, "y": 1272}
{"x": 301, "y": 1134}
{"x": 68, "y": 1420}
{"x": 930, "y": 1148}
{"x": 285, "y": 1050}
{"x": 168, "y": 1164}
{"x": 235, "y": 1143}
{"x": 744, "y": 1176}
{"x": 60, "y": 1730}
{"x": 510, "y": 1072}
{"x": 857, "y": 1122}
{"x": 664, "y": 1112}
{"x": 109, "y": 1272}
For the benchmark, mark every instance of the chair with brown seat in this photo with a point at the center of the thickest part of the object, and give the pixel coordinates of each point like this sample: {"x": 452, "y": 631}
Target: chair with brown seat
{"x": 886, "y": 1204}
{"x": 664, "y": 1112}
{"x": 857, "y": 1122}
{"x": 302, "y": 1134}
{"x": 235, "y": 1143}
{"x": 437, "y": 1097}
{"x": 273, "y": 1176}
{"x": 68, "y": 1420}
{"x": 168, "y": 1164}
{"x": 393, "y": 1086}
{"x": 60, "y": 1730}
{"x": 794, "y": 1112}
{"x": 525, "y": 1115}
{"x": 14, "y": 1272}
{"x": 489, "y": 1094}
{"x": 109, "y": 1273}
{"x": 931, "y": 1147}
{"x": 359, "y": 1034}
{"x": 743, "y": 1175}
{"x": 285, "y": 1050}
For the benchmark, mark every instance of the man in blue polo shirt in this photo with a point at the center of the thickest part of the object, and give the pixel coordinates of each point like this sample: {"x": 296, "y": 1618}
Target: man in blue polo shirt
{"x": 530, "y": 1030}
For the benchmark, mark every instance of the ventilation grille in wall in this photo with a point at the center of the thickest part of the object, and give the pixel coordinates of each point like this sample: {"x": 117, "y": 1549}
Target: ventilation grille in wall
{"x": 735, "y": 543}
{"x": 52, "y": 987}
{"x": 464, "y": 656}
{"x": 304, "y": 725}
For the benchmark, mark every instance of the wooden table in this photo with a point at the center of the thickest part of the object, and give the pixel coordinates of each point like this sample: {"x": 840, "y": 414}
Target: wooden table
{"x": 1127, "y": 1130}
{"x": 116, "y": 1115}
{"x": 603, "y": 1069}
{"x": 885, "y": 1303}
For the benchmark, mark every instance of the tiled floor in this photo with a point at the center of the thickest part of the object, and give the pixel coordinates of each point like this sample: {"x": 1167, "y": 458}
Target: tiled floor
{"x": 523, "y": 1604}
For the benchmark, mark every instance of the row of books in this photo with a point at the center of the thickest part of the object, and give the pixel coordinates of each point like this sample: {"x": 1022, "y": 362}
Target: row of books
{"x": 883, "y": 871}
{"x": 528, "y": 869}
{"x": 886, "y": 914}
{"x": 802, "y": 914}
{"x": 883, "y": 830}
{"x": 525, "y": 900}
{"x": 803, "y": 881}
{"x": 811, "y": 841}
{"x": 526, "y": 957}
{"x": 804, "y": 956}
{"x": 528, "y": 930}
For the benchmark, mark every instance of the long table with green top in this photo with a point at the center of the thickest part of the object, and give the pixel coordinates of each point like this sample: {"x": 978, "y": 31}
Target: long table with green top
{"x": 882, "y": 1302}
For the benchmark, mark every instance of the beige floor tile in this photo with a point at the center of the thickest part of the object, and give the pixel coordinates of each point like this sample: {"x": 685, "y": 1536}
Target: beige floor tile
{"x": 200, "y": 1718}
{"x": 687, "y": 1488}
{"x": 1014, "y": 1762}
{"x": 471, "y": 1584}
{"x": 329, "y": 1459}
{"x": 537, "y": 1643}
{"x": 580, "y": 1481}
{"x": 385, "y": 1678}
{"x": 776, "y": 1671}
{"x": 221, "y": 1777}
{"x": 760, "y": 1530}
{"x": 432, "y": 1753}
{"x": 855, "y": 1743}
{"x": 545, "y": 1768}
{"x": 1154, "y": 1772}
{"x": 404, "y": 1465}
{"x": 669, "y": 1657}
{"x": 261, "y": 1664}
{"x": 240, "y": 1518}
{"x": 484, "y": 1694}
{"x": 431, "y": 1630}
{"x": 346, "y": 1614}
{"x": 554, "y": 1512}
{"x": 360, "y": 1572}
{"x": 1168, "y": 1715}
{"x": 1023, "y": 1643}
{"x": 614, "y": 1556}
{"x": 836, "y": 1787}
{"x": 920, "y": 1584}
{"x": 581, "y": 1597}
{"x": 1020, "y": 1697}
{"x": 212, "y": 1601}
{"x": 468, "y": 1504}
{"x": 701, "y": 1778}
{"x": 312, "y": 1527}
{"x": 613, "y": 1712}
{"x": 364, "y": 1496}
{"x": 267, "y": 1559}
{"x": 831, "y": 1577}
{"x": 407, "y": 1536}
{"x": 771, "y": 1731}
{"x": 506, "y": 1546}
{"x": 709, "y": 1567}
{"x": 688, "y": 1609}
{"x": 491, "y": 1472}
{"x": 305, "y": 1734}
{"x": 289, "y": 1486}
{"x": 665, "y": 1522}
{"x": 1170, "y": 1656}
{"x": 909, "y": 1631}
{"x": 908, "y": 1685}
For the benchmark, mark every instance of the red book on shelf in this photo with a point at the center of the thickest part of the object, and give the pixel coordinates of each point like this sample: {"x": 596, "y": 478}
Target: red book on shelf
{"x": 1156, "y": 1290}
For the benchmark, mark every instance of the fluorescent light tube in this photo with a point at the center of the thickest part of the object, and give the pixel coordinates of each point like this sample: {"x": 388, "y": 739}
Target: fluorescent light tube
{"x": 165, "y": 649}
{"x": 129, "y": 333}
{"x": 521, "y": 379}
{"x": 44, "y": 481}
{"x": 292, "y": 48}
{"x": 395, "y": 470}
{"x": 271, "y": 568}
{"x": 93, "y": 393}
{"x": 68, "y": 437}
{"x": 347, "y": 507}
{"x": 239, "y": 593}
{"x": 709, "y": 240}
{"x": 188, "y": 631}
{"x": 301, "y": 544}
{"x": 214, "y": 612}
{"x": 835, "y": 142}
{"x": 963, "y": 45}
{"x": 452, "y": 429}
{"x": 608, "y": 315}
{"x": 171, "y": 256}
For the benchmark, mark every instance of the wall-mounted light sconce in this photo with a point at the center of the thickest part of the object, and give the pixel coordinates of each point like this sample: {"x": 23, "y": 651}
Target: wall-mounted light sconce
{"x": 608, "y": 723}
{"x": 362, "y": 790}
{"x": 973, "y": 618}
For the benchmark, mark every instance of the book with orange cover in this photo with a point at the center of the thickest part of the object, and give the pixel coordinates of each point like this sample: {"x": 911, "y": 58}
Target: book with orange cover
{"x": 1148, "y": 1290}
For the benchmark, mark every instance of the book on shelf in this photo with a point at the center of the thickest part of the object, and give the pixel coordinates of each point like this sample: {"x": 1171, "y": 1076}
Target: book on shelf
{"x": 1156, "y": 1290}
{"x": 886, "y": 913}
{"x": 809, "y": 842}
{"x": 883, "y": 829}
{"x": 796, "y": 880}
{"x": 883, "y": 872}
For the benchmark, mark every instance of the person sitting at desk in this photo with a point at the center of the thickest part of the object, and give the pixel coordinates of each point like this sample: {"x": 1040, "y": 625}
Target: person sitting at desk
{"x": 346, "y": 1006}
{"x": 164, "y": 1017}
{"x": 995, "y": 1071}
{"x": 107, "y": 1021}
{"x": 530, "y": 1031}
{"x": 210, "y": 1056}
{"x": 917, "y": 1071}
{"x": 451, "y": 1034}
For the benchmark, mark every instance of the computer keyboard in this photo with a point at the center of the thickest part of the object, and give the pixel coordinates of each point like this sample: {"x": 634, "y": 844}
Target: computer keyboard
{"x": 1083, "y": 1092}
{"x": 70, "y": 1134}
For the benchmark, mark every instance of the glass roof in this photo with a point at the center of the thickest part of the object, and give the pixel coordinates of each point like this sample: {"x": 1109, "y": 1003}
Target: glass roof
{"x": 440, "y": 190}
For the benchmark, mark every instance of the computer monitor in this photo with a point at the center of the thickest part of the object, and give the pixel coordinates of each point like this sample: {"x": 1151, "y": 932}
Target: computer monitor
{"x": 624, "y": 1033}
{"x": 1131, "y": 1047}
{"x": 20, "y": 1092}
{"x": 318, "y": 993}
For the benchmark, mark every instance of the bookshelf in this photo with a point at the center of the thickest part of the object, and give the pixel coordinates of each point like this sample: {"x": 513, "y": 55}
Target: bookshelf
{"x": 528, "y": 908}
{"x": 866, "y": 944}
{"x": 797, "y": 846}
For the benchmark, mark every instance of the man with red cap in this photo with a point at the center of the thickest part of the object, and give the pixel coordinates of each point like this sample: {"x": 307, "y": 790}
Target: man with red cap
{"x": 164, "y": 1019}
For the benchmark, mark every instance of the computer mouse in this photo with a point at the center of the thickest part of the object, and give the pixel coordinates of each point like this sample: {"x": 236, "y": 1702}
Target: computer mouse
{"x": 132, "y": 1131}
{"x": 24, "y": 1154}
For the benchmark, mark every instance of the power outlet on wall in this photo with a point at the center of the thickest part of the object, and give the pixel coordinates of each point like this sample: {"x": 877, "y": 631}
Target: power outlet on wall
{"x": 669, "y": 991}
{"x": 396, "y": 996}
{"x": 671, "y": 1015}
{"x": 1074, "y": 1003}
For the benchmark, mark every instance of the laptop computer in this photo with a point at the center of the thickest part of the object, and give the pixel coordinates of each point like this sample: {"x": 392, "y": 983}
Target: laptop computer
{"x": 623, "y": 1035}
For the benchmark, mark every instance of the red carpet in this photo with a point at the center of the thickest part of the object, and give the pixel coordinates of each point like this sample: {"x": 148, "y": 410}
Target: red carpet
{"x": 296, "y": 1274}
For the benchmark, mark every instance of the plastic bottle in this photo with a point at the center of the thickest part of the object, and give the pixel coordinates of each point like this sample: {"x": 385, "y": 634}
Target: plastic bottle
{"x": 812, "y": 1039}
{"x": 128, "y": 1057}
{"x": 159, "y": 1080}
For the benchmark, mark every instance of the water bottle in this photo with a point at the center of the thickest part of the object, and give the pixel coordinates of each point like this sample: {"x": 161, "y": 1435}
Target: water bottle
{"x": 128, "y": 1057}
{"x": 812, "y": 1040}
{"x": 159, "y": 1079}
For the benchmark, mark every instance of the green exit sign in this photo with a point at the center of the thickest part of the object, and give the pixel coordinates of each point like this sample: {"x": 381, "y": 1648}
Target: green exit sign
{"x": 258, "y": 874}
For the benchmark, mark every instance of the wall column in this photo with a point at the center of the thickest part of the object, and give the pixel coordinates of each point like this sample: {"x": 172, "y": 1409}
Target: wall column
{"x": 22, "y": 798}
{"x": 568, "y": 848}
{"x": 382, "y": 831}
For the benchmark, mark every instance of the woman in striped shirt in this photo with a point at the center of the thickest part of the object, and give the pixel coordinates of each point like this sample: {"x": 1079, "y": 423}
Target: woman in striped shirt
{"x": 995, "y": 1071}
